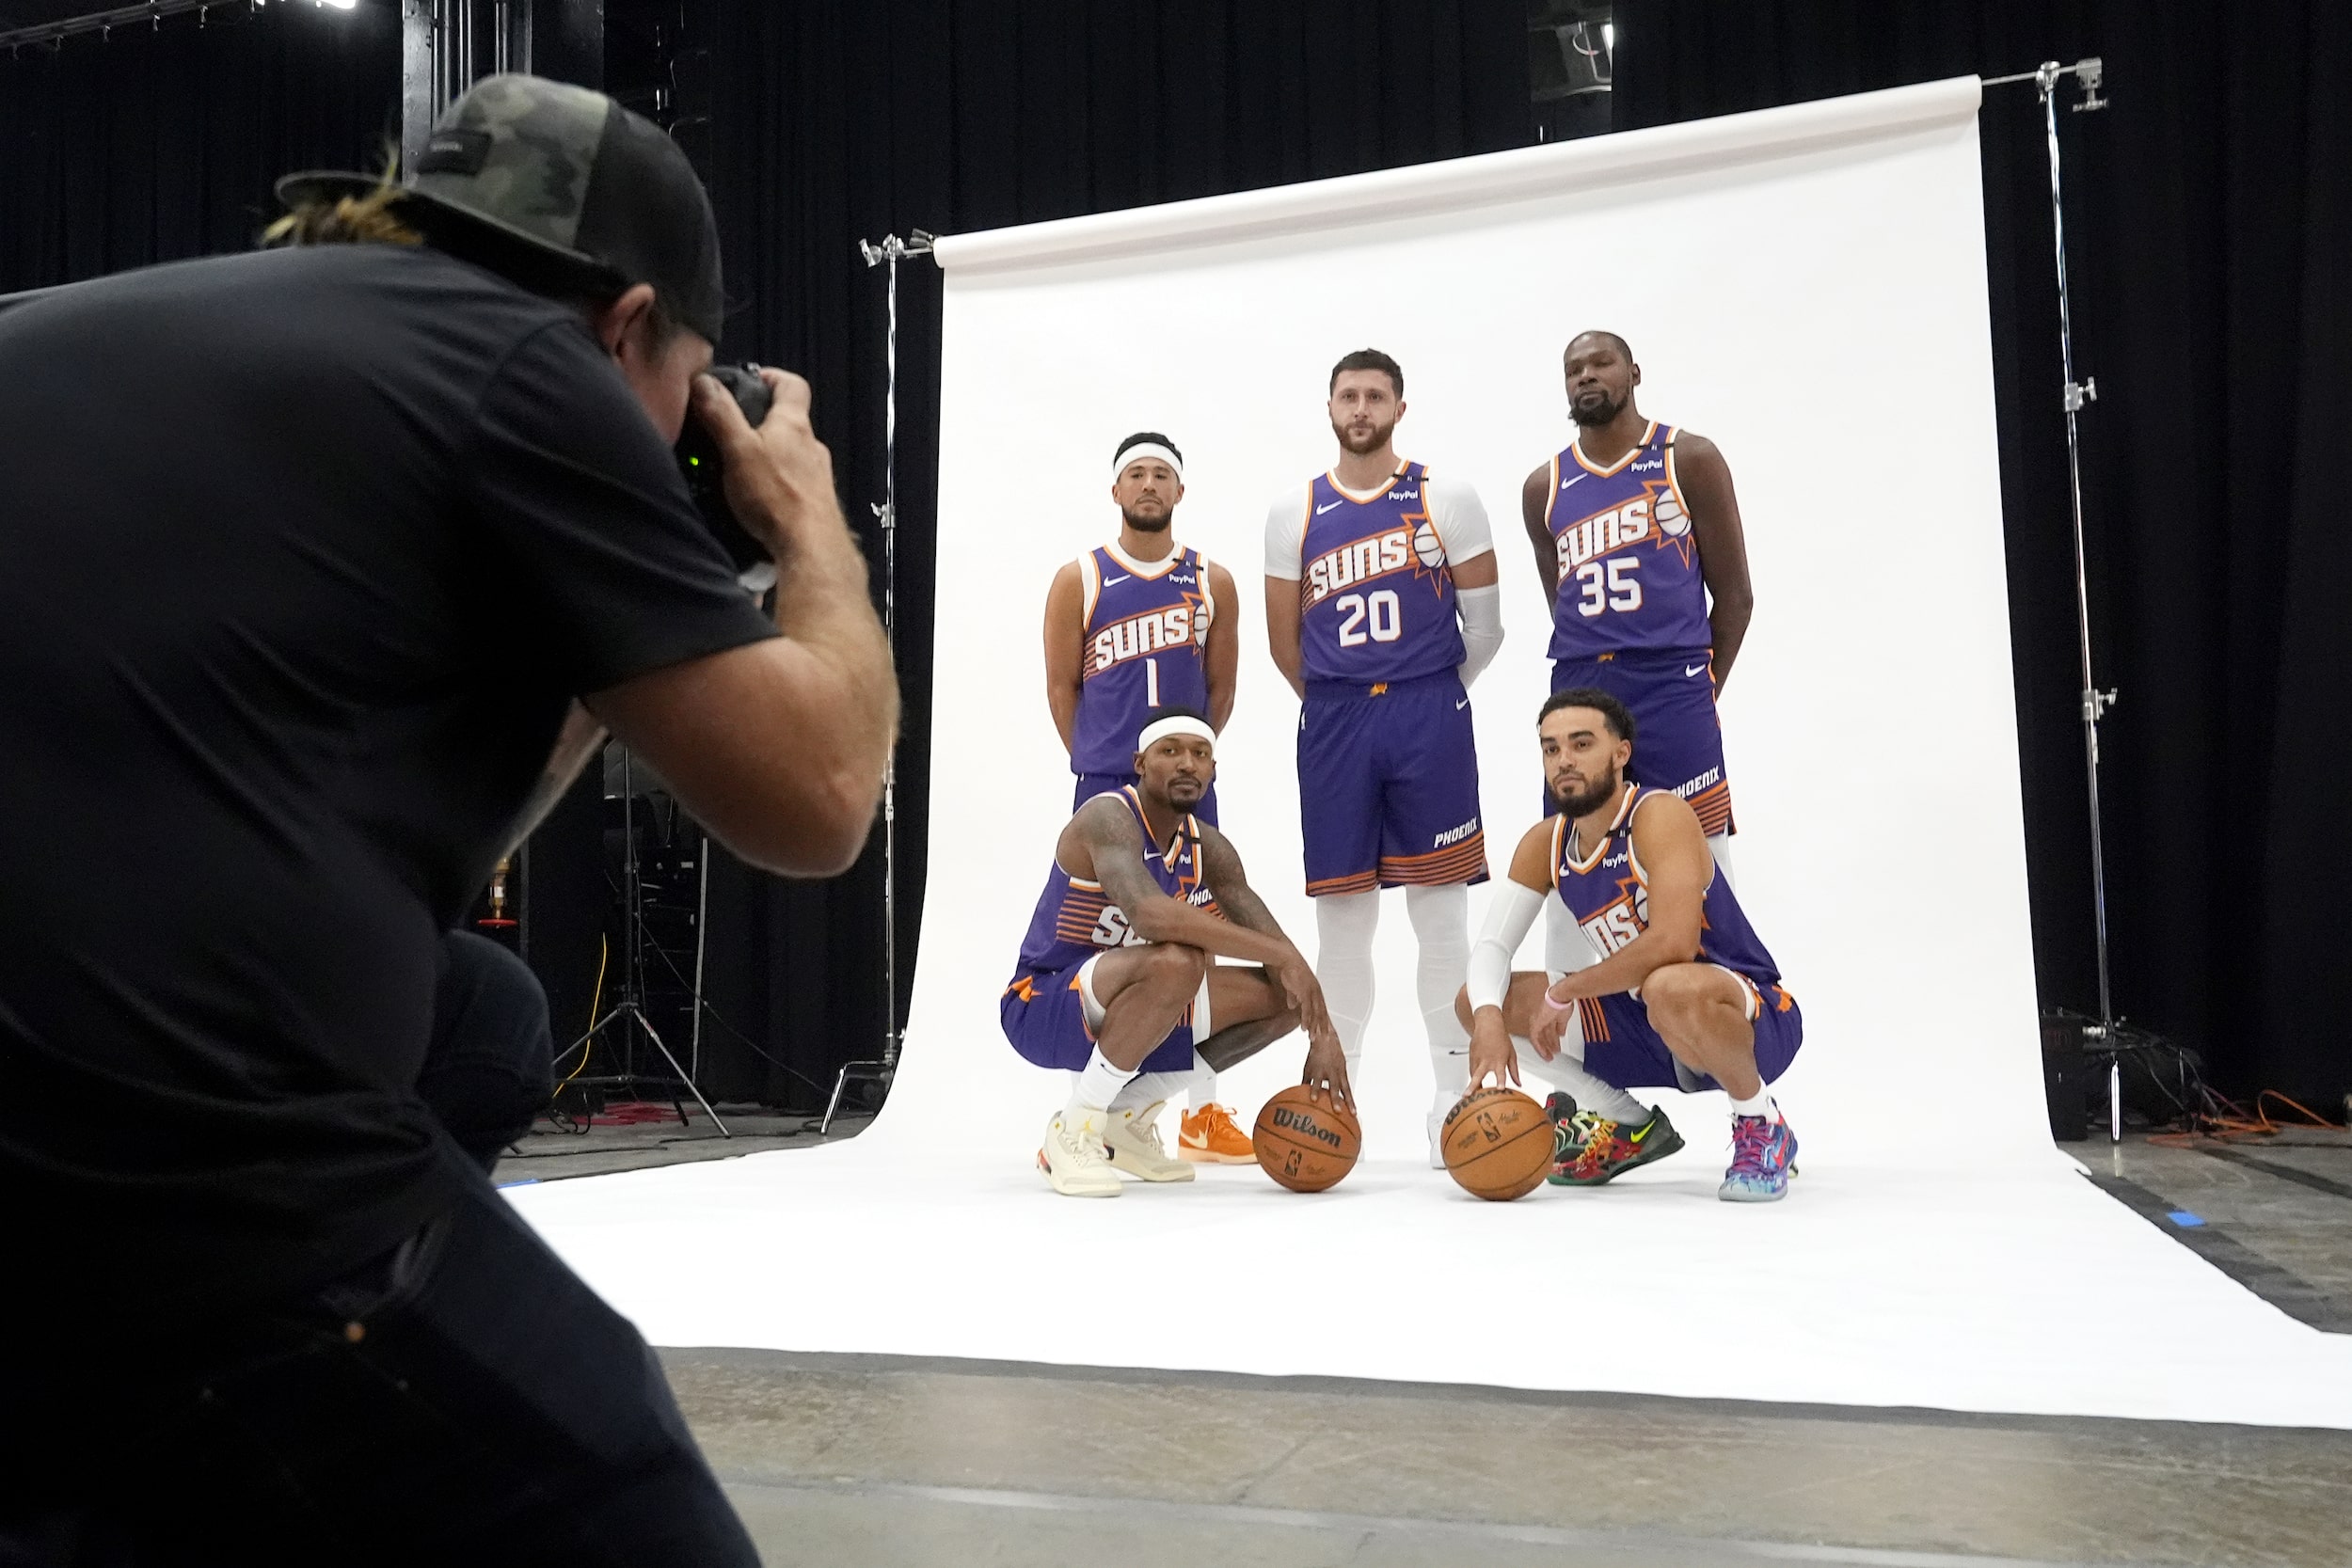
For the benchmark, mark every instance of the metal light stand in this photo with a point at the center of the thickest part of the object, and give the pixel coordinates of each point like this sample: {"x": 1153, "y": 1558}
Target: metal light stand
{"x": 889, "y": 253}
{"x": 632, "y": 1003}
{"x": 2089, "y": 73}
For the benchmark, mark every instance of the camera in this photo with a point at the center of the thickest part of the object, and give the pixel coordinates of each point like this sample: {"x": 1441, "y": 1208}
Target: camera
{"x": 698, "y": 460}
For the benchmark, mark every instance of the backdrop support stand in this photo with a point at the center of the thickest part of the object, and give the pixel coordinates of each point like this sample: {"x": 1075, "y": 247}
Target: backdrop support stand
{"x": 2089, "y": 73}
{"x": 889, "y": 253}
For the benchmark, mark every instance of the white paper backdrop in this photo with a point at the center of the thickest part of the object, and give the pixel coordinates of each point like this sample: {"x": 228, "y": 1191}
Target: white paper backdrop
{"x": 1804, "y": 285}
{"x": 1807, "y": 289}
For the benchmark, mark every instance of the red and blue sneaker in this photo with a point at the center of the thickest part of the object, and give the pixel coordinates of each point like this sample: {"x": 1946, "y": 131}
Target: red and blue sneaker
{"x": 1763, "y": 1158}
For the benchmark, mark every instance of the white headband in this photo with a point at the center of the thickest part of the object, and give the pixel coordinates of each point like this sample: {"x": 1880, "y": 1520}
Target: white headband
{"x": 1146, "y": 448}
{"x": 1175, "y": 723}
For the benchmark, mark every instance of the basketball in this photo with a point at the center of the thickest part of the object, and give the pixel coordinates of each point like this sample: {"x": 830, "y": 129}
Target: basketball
{"x": 1306, "y": 1142}
{"x": 1498, "y": 1143}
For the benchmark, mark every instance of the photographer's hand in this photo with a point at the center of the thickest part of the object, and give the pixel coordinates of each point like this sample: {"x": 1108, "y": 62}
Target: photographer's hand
{"x": 778, "y": 745}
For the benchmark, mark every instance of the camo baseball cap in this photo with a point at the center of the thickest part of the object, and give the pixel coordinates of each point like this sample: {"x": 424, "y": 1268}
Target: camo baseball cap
{"x": 556, "y": 185}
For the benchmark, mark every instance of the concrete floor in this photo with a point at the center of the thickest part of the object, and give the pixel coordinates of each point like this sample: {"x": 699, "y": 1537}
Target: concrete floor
{"x": 852, "y": 1460}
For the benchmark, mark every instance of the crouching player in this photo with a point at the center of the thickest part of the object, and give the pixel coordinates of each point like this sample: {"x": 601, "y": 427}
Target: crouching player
{"x": 1684, "y": 993}
{"x": 1118, "y": 981}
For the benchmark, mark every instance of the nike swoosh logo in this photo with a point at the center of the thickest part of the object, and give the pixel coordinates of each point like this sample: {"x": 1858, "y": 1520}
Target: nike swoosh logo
{"x": 1692, "y": 671}
{"x": 1113, "y": 582}
{"x": 1460, "y": 705}
{"x": 1571, "y": 483}
{"x": 1321, "y": 510}
{"x": 1637, "y": 1137}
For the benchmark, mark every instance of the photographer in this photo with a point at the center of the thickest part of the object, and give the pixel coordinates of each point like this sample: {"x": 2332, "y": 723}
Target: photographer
{"x": 306, "y": 556}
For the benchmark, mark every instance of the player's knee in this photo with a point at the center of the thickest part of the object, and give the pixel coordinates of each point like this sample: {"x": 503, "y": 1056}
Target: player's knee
{"x": 1676, "y": 991}
{"x": 1179, "y": 967}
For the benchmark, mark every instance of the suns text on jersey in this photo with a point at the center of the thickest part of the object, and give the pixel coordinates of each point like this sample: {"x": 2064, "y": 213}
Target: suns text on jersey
{"x": 1603, "y": 532}
{"x": 1155, "y": 631}
{"x": 1374, "y": 556}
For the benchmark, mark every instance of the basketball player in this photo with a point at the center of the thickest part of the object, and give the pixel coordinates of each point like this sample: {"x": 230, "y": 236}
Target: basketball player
{"x": 1131, "y": 627}
{"x": 1117, "y": 980}
{"x": 1382, "y": 609}
{"x": 1639, "y": 548}
{"x": 1685, "y": 993}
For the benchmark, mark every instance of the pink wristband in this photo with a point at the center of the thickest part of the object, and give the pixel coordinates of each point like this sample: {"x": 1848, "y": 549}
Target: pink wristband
{"x": 1555, "y": 1006}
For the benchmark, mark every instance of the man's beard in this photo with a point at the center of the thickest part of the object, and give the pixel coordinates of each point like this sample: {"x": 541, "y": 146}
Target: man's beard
{"x": 1142, "y": 523}
{"x": 1360, "y": 445}
{"x": 1598, "y": 414}
{"x": 1599, "y": 790}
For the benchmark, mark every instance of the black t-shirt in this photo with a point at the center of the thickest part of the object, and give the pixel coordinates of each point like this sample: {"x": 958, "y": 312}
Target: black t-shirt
{"x": 302, "y": 555}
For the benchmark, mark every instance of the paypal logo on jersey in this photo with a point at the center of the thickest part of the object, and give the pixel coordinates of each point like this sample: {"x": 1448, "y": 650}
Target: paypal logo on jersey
{"x": 1653, "y": 463}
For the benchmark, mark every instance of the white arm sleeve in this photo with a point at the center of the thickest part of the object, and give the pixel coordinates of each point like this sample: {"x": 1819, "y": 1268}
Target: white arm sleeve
{"x": 1285, "y": 529}
{"x": 1482, "y": 627}
{"x": 1509, "y": 915}
{"x": 1460, "y": 518}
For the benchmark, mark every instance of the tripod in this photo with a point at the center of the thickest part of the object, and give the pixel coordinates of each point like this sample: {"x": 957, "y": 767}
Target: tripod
{"x": 632, "y": 1005}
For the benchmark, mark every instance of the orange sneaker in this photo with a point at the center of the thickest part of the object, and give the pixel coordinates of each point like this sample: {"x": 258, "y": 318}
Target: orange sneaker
{"x": 1209, "y": 1136}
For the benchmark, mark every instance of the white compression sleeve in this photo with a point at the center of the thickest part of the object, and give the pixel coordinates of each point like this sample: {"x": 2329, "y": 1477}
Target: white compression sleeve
{"x": 1482, "y": 629}
{"x": 1345, "y": 923}
{"x": 1440, "y": 917}
{"x": 1719, "y": 845}
{"x": 1568, "y": 1071}
{"x": 1509, "y": 914}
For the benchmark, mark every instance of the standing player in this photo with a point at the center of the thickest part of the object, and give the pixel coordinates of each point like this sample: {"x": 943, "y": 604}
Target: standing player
{"x": 1381, "y": 609}
{"x": 1131, "y": 627}
{"x": 1639, "y": 548}
{"x": 1684, "y": 993}
{"x": 1116, "y": 979}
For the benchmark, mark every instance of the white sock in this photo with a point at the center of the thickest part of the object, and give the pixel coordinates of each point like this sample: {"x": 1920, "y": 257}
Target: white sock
{"x": 1568, "y": 1071}
{"x": 1149, "y": 1089}
{"x": 1096, "y": 1087}
{"x": 1760, "y": 1106}
{"x": 1440, "y": 917}
{"x": 1345, "y": 923}
{"x": 1719, "y": 845}
{"x": 1203, "y": 1080}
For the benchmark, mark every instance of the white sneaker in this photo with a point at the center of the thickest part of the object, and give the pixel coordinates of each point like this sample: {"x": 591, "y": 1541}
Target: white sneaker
{"x": 1437, "y": 1139}
{"x": 1073, "y": 1161}
{"x": 1133, "y": 1142}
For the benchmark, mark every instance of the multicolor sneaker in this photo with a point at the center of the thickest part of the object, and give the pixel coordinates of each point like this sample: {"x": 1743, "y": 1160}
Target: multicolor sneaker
{"x": 1568, "y": 1126}
{"x": 1763, "y": 1158}
{"x": 1132, "y": 1141}
{"x": 1602, "y": 1149}
{"x": 1209, "y": 1136}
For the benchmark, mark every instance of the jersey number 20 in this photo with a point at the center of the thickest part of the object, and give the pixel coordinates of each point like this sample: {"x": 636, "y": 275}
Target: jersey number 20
{"x": 1621, "y": 590}
{"x": 1385, "y": 614}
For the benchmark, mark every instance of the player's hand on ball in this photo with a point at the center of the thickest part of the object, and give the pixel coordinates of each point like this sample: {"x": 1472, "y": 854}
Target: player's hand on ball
{"x": 1490, "y": 1055}
{"x": 779, "y": 477}
{"x": 1326, "y": 1068}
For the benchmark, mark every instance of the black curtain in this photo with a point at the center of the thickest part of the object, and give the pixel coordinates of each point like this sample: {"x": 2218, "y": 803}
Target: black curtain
{"x": 2208, "y": 216}
{"x": 156, "y": 144}
{"x": 833, "y": 120}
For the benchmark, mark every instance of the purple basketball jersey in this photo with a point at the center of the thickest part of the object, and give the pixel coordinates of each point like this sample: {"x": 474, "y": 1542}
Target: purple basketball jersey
{"x": 1629, "y": 562}
{"x": 1609, "y": 895}
{"x": 1073, "y": 922}
{"x": 1147, "y": 629}
{"x": 1375, "y": 594}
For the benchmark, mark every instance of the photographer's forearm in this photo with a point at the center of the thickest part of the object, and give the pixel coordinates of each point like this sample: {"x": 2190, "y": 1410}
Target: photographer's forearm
{"x": 825, "y": 609}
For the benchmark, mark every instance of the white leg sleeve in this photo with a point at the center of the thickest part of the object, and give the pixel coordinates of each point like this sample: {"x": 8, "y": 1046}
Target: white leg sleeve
{"x": 1719, "y": 845}
{"x": 1440, "y": 917}
{"x": 1345, "y": 923}
{"x": 1568, "y": 1071}
{"x": 1203, "y": 1091}
{"x": 1565, "y": 951}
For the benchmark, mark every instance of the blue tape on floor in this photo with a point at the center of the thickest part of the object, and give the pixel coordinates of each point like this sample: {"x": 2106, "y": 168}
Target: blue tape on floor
{"x": 532, "y": 1181}
{"x": 2181, "y": 1217}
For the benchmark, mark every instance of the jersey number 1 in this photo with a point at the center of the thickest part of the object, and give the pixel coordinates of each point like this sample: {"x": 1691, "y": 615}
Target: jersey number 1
{"x": 1151, "y": 683}
{"x": 1622, "y": 590}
